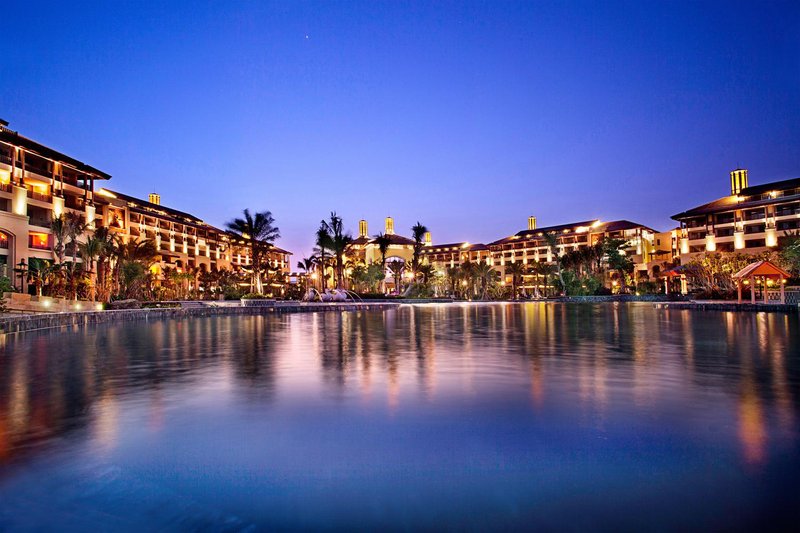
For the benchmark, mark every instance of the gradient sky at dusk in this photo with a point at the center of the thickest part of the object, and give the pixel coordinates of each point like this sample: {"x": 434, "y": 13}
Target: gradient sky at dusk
{"x": 465, "y": 116}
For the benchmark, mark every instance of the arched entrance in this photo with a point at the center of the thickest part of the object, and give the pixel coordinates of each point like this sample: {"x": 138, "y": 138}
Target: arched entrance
{"x": 6, "y": 254}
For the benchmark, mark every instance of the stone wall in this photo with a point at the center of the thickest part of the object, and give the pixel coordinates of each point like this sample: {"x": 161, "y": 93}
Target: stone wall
{"x": 25, "y": 303}
{"x": 20, "y": 323}
{"x": 729, "y": 306}
{"x": 618, "y": 298}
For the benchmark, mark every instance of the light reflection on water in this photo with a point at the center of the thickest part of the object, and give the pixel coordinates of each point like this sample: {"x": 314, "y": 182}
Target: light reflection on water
{"x": 485, "y": 416}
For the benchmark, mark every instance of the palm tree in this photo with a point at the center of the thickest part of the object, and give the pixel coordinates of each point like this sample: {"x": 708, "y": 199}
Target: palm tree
{"x": 324, "y": 242}
{"x": 425, "y": 272}
{"x": 515, "y": 269}
{"x": 551, "y": 238}
{"x": 90, "y": 251}
{"x": 397, "y": 268}
{"x": 383, "y": 242}
{"x": 339, "y": 241}
{"x": 486, "y": 275}
{"x": 259, "y": 232}
{"x": 453, "y": 274}
{"x": 75, "y": 225}
{"x": 418, "y": 232}
{"x": 58, "y": 227}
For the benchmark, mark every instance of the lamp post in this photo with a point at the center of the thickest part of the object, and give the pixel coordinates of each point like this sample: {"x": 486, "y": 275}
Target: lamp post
{"x": 21, "y": 269}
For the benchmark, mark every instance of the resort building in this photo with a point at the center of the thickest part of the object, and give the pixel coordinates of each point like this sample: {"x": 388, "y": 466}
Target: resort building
{"x": 530, "y": 245}
{"x": 365, "y": 249}
{"x": 38, "y": 183}
{"x": 750, "y": 219}
{"x": 443, "y": 256}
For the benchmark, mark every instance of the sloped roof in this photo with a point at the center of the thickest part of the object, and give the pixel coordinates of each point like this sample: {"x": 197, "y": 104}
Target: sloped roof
{"x": 16, "y": 139}
{"x": 761, "y": 268}
{"x": 595, "y": 225}
{"x": 438, "y": 248}
{"x": 745, "y": 199}
{"x": 145, "y": 204}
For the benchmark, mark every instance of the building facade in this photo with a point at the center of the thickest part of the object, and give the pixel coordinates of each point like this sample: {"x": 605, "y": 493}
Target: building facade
{"x": 38, "y": 183}
{"x": 750, "y": 219}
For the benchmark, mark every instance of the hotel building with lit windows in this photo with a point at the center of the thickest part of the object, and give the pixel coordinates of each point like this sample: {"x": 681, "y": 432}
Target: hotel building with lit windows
{"x": 38, "y": 183}
{"x": 750, "y": 219}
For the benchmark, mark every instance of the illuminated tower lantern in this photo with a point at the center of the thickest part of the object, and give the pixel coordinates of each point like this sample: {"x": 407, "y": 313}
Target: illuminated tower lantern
{"x": 738, "y": 180}
{"x": 362, "y": 228}
{"x": 389, "y": 226}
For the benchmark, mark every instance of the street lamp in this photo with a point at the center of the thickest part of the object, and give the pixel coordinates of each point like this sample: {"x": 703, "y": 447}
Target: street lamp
{"x": 21, "y": 269}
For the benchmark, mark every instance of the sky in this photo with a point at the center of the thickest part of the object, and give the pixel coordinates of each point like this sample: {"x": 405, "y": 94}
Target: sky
{"x": 465, "y": 116}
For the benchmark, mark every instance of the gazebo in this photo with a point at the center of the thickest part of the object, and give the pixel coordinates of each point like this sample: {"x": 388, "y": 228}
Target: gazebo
{"x": 669, "y": 275}
{"x": 765, "y": 271}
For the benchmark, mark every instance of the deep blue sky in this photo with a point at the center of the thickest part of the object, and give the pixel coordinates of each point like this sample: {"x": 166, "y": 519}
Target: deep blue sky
{"x": 465, "y": 116}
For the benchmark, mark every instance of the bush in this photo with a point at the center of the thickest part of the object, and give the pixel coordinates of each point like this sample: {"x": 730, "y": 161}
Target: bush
{"x": 5, "y": 285}
{"x": 232, "y": 293}
{"x": 255, "y": 296}
{"x": 125, "y": 304}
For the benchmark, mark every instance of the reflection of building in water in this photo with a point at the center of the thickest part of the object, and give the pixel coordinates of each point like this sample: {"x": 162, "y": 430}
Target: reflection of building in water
{"x": 752, "y": 427}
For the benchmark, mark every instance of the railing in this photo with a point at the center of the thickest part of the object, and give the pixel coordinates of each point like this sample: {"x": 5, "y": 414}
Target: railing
{"x": 39, "y": 196}
{"x": 6, "y": 187}
{"x": 38, "y": 246}
{"x": 41, "y": 222}
{"x": 4, "y": 243}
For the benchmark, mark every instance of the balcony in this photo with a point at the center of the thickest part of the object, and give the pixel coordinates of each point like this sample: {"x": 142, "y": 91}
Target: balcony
{"x": 40, "y": 222}
{"x": 6, "y": 187}
{"x": 42, "y": 197}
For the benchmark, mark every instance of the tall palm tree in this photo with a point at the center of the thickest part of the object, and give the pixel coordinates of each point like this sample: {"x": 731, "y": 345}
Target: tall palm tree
{"x": 397, "y": 268}
{"x": 418, "y": 232}
{"x": 75, "y": 225}
{"x": 90, "y": 251}
{"x": 306, "y": 264}
{"x": 453, "y": 274}
{"x": 259, "y": 232}
{"x": 383, "y": 242}
{"x": 324, "y": 243}
{"x": 551, "y": 238}
{"x": 339, "y": 241}
{"x": 515, "y": 269}
{"x": 58, "y": 227}
{"x": 486, "y": 275}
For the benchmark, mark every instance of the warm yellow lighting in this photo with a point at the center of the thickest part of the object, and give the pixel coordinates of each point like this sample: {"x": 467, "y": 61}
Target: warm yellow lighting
{"x": 596, "y": 223}
{"x": 104, "y": 192}
{"x": 614, "y": 283}
{"x": 314, "y": 275}
{"x": 464, "y": 283}
{"x": 746, "y": 282}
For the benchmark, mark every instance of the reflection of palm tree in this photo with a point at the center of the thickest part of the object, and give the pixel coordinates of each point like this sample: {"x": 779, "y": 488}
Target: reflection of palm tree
{"x": 397, "y": 268}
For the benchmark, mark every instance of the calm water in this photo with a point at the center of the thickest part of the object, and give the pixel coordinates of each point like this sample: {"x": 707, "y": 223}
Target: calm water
{"x": 498, "y": 416}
